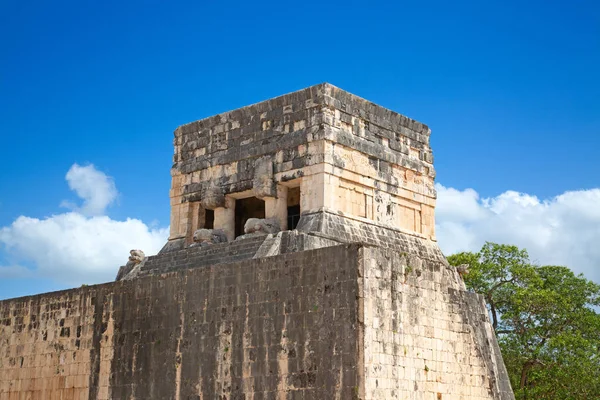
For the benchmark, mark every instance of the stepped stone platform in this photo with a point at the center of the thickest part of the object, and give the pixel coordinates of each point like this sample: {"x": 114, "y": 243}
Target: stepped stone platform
{"x": 221, "y": 253}
{"x": 302, "y": 263}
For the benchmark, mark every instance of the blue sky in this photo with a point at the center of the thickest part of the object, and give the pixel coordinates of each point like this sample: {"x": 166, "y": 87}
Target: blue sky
{"x": 511, "y": 91}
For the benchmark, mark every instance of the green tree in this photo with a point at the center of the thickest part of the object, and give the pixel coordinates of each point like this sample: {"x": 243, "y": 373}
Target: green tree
{"x": 545, "y": 321}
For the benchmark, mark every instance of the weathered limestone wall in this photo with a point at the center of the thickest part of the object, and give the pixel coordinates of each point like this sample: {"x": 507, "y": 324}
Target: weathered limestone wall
{"x": 281, "y": 327}
{"x": 49, "y": 347}
{"x": 239, "y": 153}
{"x": 348, "y": 229}
{"x": 264, "y": 317}
{"x": 342, "y": 322}
{"x": 380, "y": 164}
{"x": 345, "y": 153}
{"x": 425, "y": 337}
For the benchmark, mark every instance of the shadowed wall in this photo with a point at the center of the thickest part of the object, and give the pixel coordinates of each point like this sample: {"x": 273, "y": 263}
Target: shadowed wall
{"x": 264, "y": 328}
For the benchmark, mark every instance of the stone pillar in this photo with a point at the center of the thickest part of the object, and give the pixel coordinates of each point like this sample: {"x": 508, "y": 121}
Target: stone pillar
{"x": 180, "y": 221}
{"x": 263, "y": 184}
{"x": 225, "y": 218}
{"x": 331, "y": 192}
{"x": 175, "y": 195}
{"x": 194, "y": 221}
{"x": 174, "y": 224}
{"x": 276, "y": 207}
{"x": 312, "y": 193}
{"x": 428, "y": 221}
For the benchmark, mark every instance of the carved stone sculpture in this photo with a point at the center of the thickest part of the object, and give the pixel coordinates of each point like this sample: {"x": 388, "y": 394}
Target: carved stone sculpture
{"x": 137, "y": 258}
{"x": 463, "y": 269}
{"x": 205, "y": 237}
{"x": 261, "y": 226}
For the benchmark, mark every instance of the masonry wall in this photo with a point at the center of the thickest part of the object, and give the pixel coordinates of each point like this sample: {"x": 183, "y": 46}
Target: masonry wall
{"x": 343, "y": 322}
{"x": 282, "y": 327}
{"x": 345, "y": 153}
{"x": 379, "y": 164}
{"x": 239, "y": 153}
{"x": 47, "y": 346}
{"x": 425, "y": 337}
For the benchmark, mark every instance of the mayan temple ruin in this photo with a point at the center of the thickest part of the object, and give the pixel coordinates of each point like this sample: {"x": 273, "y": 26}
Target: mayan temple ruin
{"x": 301, "y": 264}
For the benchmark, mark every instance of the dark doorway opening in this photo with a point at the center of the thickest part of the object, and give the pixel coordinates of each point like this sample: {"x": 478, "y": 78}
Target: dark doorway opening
{"x": 250, "y": 207}
{"x": 209, "y": 219}
{"x": 293, "y": 208}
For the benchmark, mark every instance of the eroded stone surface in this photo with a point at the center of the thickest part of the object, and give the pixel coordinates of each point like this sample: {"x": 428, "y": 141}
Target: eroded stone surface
{"x": 356, "y": 302}
{"x": 425, "y": 336}
{"x": 344, "y": 153}
{"x": 242, "y": 330}
{"x": 348, "y": 322}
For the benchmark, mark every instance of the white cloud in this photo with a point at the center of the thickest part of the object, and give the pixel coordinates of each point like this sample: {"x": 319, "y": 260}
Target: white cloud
{"x": 96, "y": 189}
{"x": 564, "y": 230}
{"x": 79, "y": 246}
{"x": 73, "y": 248}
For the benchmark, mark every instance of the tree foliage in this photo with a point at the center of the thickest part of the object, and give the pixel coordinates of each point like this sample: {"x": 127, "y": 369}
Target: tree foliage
{"x": 546, "y": 321}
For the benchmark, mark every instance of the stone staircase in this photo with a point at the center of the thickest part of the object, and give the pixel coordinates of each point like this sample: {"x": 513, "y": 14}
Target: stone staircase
{"x": 194, "y": 257}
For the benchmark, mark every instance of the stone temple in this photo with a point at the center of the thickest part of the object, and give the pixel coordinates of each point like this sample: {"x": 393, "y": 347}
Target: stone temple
{"x": 301, "y": 264}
